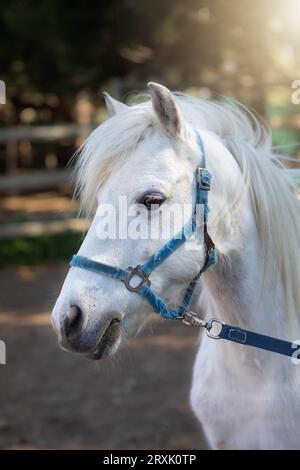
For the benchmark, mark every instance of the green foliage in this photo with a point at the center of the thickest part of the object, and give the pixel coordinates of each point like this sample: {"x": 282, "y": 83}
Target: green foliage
{"x": 36, "y": 250}
{"x": 63, "y": 47}
{"x": 287, "y": 141}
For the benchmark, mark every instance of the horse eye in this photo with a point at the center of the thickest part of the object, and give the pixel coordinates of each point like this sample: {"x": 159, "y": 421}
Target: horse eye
{"x": 151, "y": 199}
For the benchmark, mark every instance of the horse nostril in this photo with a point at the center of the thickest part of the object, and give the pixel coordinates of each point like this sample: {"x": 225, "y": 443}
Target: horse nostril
{"x": 71, "y": 322}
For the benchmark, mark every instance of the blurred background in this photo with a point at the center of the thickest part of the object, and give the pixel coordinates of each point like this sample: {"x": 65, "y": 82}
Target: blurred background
{"x": 55, "y": 59}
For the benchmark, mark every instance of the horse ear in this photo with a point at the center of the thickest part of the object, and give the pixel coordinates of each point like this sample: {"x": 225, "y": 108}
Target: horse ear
{"x": 166, "y": 109}
{"x": 113, "y": 106}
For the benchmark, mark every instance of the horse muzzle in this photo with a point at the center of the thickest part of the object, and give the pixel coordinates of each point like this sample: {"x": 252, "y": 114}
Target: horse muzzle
{"x": 95, "y": 339}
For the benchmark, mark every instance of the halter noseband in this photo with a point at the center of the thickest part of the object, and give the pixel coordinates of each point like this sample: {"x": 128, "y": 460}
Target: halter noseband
{"x": 202, "y": 179}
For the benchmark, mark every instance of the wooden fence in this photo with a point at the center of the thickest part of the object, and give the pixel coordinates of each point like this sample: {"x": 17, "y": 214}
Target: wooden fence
{"x": 12, "y": 181}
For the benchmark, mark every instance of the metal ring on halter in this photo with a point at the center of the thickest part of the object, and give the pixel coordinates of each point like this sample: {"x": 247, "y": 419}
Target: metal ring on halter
{"x": 138, "y": 272}
{"x": 210, "y": 325}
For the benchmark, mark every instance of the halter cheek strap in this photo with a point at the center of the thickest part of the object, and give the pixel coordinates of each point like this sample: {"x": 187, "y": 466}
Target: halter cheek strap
{"x": 142, "y": 272}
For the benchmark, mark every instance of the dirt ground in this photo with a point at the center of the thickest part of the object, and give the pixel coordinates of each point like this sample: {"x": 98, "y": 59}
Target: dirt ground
{"x": 52, "y": 399}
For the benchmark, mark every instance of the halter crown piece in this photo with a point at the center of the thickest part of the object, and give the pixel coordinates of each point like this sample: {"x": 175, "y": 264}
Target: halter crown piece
{"x": 215, "y": 328}
{"x": 202, "y": 180}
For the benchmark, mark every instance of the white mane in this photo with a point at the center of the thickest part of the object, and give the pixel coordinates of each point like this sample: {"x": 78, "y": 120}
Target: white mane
{"x": 250, "y": 142}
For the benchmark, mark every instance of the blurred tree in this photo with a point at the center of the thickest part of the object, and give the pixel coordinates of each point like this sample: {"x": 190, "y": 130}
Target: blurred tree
{"x": 51, "y": 50}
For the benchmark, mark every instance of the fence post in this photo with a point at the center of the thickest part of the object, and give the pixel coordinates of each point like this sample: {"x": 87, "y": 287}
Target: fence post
{"x": 11, "y": 159}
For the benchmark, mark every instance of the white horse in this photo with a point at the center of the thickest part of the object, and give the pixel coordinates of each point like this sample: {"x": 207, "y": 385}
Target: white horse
{"x": 245, "y": 398}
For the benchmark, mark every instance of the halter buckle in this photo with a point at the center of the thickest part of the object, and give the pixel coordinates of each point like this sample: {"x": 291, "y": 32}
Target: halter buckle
{"x": 203, "y": 178}
{"x": 137, "y": 271}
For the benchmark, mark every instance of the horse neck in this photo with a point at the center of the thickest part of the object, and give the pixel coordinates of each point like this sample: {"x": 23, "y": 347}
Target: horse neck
{"x": 233, "y": 290}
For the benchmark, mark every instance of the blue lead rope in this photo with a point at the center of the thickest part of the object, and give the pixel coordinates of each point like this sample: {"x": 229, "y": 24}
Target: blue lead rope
{"x": 249, "y": 338}
{"x": 142, "y": 272}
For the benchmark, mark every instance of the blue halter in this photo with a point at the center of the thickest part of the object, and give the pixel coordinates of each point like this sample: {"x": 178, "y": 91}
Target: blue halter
{"x": 143, "y": 272}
